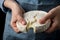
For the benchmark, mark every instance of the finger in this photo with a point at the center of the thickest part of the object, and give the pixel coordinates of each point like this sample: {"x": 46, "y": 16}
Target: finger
{"x": 21, "y": 20}
{"x": 53, "y": 27}
{"x": 13, "y": 25}
{"x": 49, "y": 15}
{"x": 45, "y": 18}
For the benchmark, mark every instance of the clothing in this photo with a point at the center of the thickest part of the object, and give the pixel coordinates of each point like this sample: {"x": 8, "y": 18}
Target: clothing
{"x": 28, "y": 5}
{"x": 1, "y": 3}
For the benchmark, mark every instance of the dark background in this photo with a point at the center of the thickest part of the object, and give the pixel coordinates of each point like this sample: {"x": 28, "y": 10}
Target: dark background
{"x": 2, "y": 23}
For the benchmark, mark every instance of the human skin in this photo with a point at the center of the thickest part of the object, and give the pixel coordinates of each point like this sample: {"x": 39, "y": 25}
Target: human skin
{"x": 54, "y": 16}
{"x": 17, "y": 15}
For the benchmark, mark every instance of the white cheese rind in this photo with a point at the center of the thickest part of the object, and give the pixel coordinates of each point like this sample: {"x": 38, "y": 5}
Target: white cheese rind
{"x": 32, "y": 18}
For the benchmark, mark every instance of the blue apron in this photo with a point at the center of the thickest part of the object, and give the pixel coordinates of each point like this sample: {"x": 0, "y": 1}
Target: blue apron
{"x": 29, "y": 5}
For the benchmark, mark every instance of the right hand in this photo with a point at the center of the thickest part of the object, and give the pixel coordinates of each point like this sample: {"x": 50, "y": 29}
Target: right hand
{"x": 17, "y": 15}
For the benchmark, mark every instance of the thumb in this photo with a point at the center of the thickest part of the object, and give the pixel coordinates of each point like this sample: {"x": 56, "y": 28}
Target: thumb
{"x": 49, "y": 15}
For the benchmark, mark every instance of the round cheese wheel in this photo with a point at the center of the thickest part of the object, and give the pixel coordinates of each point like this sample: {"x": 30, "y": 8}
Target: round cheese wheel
{"x": 32, "y": 18}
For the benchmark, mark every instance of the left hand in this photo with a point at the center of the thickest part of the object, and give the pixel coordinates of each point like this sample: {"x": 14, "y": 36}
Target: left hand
{"x": 54, "y": 16}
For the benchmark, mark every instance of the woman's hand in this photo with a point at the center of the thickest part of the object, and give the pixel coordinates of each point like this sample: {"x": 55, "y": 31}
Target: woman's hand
{"x": 17, "y": 13}
{"x": 54, "y": 15}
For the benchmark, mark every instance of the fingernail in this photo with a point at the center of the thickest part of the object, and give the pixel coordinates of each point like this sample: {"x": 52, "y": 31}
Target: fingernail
{"x": 41, "y": 21}
{"x": 23, "y": 22}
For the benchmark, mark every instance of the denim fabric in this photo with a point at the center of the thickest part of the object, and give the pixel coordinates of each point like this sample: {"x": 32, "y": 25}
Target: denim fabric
{"x": 4, "y": 9}
{"x": 44, "y": 5}
{"x": 1, "y": 4}
{"x": 28, "y": 5}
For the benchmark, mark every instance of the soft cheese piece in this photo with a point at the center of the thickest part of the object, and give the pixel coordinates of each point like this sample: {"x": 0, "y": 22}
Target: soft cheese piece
{"x": 32, "y": 19}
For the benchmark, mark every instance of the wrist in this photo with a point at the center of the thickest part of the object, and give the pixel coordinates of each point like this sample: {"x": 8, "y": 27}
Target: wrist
{"x": 10, "y": 4}
{"x": 15, "y": 7}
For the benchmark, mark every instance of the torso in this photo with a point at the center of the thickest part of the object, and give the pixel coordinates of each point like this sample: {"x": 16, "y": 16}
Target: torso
{"x": 44, "y": 5}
